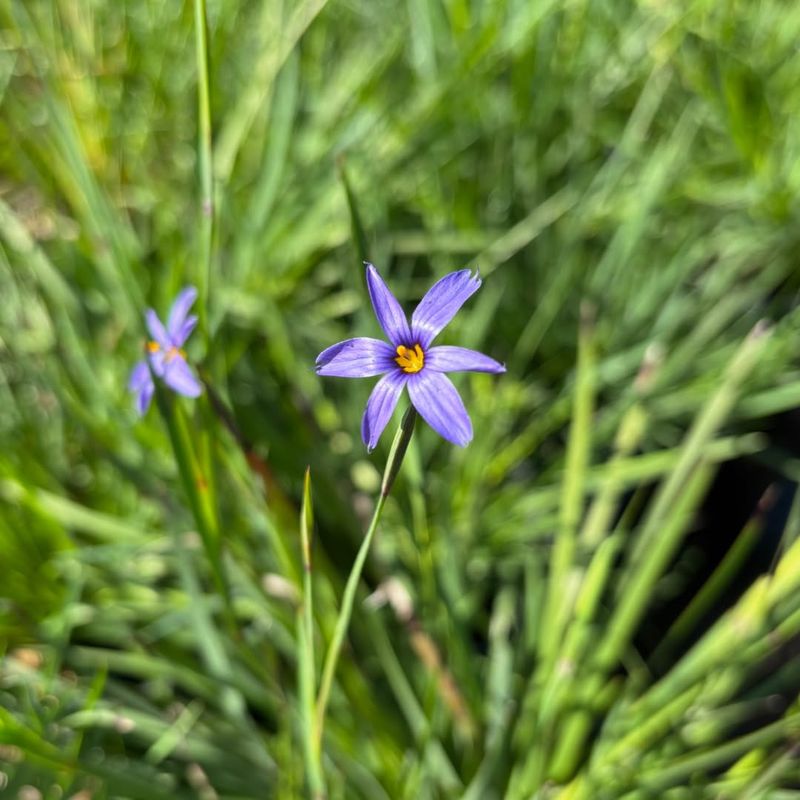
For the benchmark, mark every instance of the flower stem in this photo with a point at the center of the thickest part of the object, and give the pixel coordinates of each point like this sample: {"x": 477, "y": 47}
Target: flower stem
{"x": 398, "y": 450}
{"x": 195, "y": 484}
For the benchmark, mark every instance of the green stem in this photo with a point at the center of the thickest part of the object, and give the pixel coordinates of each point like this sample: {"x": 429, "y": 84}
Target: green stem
{"x": 398, "y": 450}
{"x": 332, "y": 657}
{"x": 206, "y": 225}
{"x": 195, "y": 483}
{"x": 204, "y": 159}
{"x": 305, "y": 655}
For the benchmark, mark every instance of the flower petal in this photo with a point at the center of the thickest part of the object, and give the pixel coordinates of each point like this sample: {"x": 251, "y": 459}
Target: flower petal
{"x": 157, "y": 361}
{"x": 157, "y": 329}
{"x": 460, "y": 359}
{"x": 141, "y": 383}
{"x": 183, "y": 332}
{"x": 180, "y": 378}
{"x": 140, "y": 376}
{"x": 440, "y": 304}
{"x": 143, "y": 397}
{"x": 177, "y": 314}
{"x": 440, "y": 405}
{"x": 380, "y": 406}
{"x": 387, "y": 309}
{"x": 356, "y": 358}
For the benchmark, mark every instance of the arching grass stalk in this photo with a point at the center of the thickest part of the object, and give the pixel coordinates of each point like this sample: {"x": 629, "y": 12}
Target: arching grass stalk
{"x": 398, "y": 450}
{"x": 305, "y": 653}
{"x": 205, "y": 162}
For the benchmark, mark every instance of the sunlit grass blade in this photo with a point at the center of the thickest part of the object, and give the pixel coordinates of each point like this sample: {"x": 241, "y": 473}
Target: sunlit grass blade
{"x": 356, "y": 223}
{"x": 306, "y": 663}
{"x": 653, "y": 548}
{"x": 206, "y": 168}
{"x": 558, "y": 607}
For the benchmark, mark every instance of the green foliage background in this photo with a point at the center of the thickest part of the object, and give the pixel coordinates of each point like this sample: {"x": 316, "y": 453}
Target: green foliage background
{"x": 624, "y": 175}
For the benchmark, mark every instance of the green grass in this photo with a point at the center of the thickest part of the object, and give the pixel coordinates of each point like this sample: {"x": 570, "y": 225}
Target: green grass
{"x": 626, "y": 178}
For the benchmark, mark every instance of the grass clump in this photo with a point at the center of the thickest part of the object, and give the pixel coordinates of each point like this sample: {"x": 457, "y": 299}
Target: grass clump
{"x": 598, "y": 597}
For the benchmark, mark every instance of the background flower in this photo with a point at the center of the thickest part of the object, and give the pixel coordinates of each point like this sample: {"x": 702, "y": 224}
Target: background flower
{"x": 165, "y": 354}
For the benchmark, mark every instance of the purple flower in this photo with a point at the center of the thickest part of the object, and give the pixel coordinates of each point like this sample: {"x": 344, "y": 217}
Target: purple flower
{"x": 165, "y": 354}
{"x": 410, "y": 360}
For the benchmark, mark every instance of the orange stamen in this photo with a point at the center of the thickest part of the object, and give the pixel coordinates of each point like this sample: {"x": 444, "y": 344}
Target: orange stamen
{"x": 174, "y": 352}
{"x": 410, "y": 360}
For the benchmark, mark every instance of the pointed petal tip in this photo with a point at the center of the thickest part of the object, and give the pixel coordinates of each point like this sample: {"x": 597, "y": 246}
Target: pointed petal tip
{"x": 143, "y": 399}
{"x": 472, "y": 277}
{"x": 466, "y": 436}
{"x": 187, "y": 294}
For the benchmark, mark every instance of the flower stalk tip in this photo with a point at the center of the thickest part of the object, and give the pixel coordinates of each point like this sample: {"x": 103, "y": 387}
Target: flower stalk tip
{"x": 399, "y": 446}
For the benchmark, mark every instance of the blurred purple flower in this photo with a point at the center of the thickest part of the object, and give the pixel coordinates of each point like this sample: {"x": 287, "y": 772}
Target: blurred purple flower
{"x": 410, "y": 360}
{"x": 165, "y": 354}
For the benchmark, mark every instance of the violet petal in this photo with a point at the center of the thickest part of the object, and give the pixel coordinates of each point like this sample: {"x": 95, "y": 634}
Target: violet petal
{"x": 356, "y": 358}
{"x": 157, "y": 329}
{"x": 184, "y": 331}
{"x": 441, "y": 303}
{"x": 446, "y": 358}
{"x": 178, "y": 313}
{"x": 140, "y": 376}
{"x": 143, "y": 397}
{"x": 180, "y": 378}
{"x": 440, "y": 405}
{"x": 387, "y": 309}
{"x": 381, "y": 405}
{"x": 157, "y": 361}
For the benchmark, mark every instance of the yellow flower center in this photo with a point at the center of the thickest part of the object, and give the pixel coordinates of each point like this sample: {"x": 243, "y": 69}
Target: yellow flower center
{"x": 173, "y": 352}
{"x": 410, "y": 360}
